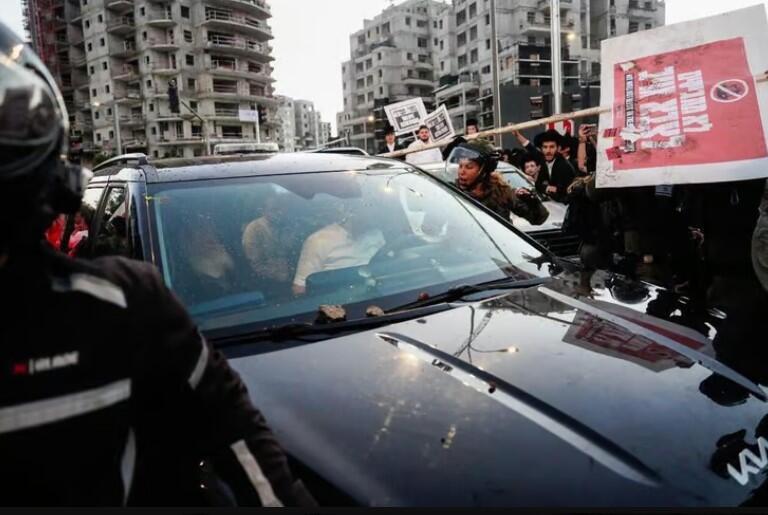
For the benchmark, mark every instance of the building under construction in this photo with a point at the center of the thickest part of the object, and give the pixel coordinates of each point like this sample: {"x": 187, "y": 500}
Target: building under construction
{"x": 115, "y": 59}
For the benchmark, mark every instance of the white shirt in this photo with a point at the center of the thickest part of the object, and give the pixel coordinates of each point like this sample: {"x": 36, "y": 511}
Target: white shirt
{"x": 332, "y": 248}
{"x": 391, "y": 148}
{"x": 427, "y": 156}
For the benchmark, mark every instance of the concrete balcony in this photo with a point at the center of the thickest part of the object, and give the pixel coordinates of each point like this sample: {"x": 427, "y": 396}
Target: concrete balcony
{"x": 121, "y": 25}
{"x": 644, "y": 10}
{"x": 130, "y": 96}
{"x": 160, "y": 18}
{"x": 120, "y": 6}
{"x": 131, "y": 120}
{"x": 162, "y": 67}
{"x": 162, "y": 44}
{"x": 223, "y": 20}
{"x": 226, "y": 68}
{"x": 545, "y": 5}
{"x": 228, "y": 44}
{"x": 184, "y": 140}
{"x": 256, "y": 8}
{"x": 416, "y": 81}
{"x": 461, "y": 109}
{"x": 126, "y": 73}
{"x": 134, "y": 144}
{"x": 456, "y": 90}
{"x": 126, "y": 50}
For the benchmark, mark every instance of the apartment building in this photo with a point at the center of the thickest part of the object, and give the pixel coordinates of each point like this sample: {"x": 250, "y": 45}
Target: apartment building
{"x": 524, "y": 36}
{"x": 457, "y": 39}
{"x": 300, "y": 126}
{"x": 286, "y": 119}
{"x": 325, "y": 133}
{"x": 392, "y": 58}
{"x": 123, "y": 54}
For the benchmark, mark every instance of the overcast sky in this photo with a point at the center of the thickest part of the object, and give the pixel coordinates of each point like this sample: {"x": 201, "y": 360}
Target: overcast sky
{"x": 312, "y": 40}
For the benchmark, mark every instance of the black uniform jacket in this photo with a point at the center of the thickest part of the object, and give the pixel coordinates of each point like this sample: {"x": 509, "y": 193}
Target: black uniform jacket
{"x": 109, "y": 395}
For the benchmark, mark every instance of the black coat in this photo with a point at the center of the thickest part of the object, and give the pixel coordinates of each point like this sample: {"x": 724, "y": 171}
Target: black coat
{"x": 384, "y": 150}
{"x": 561, "y": 177}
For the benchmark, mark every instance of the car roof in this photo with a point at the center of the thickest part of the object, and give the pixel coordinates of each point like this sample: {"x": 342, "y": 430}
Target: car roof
{"x": 219, "y": 167}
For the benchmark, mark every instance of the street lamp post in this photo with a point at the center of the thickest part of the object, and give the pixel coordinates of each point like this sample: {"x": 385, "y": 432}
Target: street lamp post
{"x": 557, "y": 65}
{"x": 495, "y": 68}
{"x": 368, "y": 119}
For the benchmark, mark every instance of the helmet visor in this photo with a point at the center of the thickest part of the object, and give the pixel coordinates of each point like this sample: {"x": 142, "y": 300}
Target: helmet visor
{"x": 33, "y": 118}
{"x": 458, "y": 156}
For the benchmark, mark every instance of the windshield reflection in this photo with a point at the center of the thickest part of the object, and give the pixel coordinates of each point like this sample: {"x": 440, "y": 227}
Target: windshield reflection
{"x": 244, "y": 251}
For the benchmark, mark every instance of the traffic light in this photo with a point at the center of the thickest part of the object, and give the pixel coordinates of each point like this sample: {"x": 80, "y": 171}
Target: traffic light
{"x": 572, "y": 102}
{"x": 541, "y": 105}
{"x": 262, "y": 113}
{"x": 173, "y": 96}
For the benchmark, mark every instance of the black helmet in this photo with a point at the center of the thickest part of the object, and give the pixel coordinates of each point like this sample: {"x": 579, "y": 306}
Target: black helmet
{"x": 479, "y": 150}
{"x": 35, "y": 182}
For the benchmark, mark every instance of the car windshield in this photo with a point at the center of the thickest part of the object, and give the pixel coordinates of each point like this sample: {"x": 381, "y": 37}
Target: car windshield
{"x": 271, "y": 249}
{"x": 516, "y": 179}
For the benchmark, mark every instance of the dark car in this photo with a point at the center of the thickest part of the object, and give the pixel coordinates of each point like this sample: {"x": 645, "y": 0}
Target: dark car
{"x": 411, "y": 348}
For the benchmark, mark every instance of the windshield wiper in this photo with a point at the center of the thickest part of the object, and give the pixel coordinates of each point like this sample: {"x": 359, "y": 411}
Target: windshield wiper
{"x": 298, "y": 331}
{"x": 462, "y": 290}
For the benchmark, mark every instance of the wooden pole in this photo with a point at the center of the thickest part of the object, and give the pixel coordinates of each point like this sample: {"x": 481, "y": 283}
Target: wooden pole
{"x": 583, "y": 113}
{"x": 592, "y": 111}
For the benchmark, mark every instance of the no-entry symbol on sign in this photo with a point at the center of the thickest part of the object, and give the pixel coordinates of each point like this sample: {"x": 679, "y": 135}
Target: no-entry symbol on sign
{"x": 727, "y": 91}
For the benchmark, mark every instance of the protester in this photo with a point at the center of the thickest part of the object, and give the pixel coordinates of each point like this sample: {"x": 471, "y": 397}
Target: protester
{"x": 477, "y": 161}
{"x": 559, "y": 173}
{"x": 425, "y": 156}
{"x": 532, "y": 168}
{"x": 117, "y": 398}
{"x": 724, "y": 215}
{"x": 472, "y": 127}
{"x": 390, "y": 142}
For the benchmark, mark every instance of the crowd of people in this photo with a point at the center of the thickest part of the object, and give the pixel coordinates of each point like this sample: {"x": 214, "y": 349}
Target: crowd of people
{"x": 708, "y": 241}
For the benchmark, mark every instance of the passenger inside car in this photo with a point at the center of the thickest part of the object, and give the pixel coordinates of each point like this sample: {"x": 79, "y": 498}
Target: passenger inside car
{"x": 350, "y": 241}
{"x": 209, "y": 265}
{"x": 269, "y": 245}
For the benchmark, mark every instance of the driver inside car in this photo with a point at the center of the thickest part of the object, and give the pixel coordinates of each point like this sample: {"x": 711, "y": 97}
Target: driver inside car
{"x": 351, "y": 241}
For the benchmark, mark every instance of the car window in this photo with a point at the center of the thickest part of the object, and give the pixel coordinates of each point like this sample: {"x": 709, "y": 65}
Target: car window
{"x": 76, "y": 228}
{"x": 516, "y": 179}
{"x": 255, "y": 250}
{"x": 111, "y": 238}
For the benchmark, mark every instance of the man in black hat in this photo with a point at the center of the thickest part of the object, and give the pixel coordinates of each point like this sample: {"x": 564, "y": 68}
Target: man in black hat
{"x": 472, "y": 127}
{"x": 390, "y": 142}
{"x": 559, "y": 172}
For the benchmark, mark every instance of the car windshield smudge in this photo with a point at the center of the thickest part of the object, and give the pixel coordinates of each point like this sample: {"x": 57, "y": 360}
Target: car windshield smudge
{"x": 270, "y": 249}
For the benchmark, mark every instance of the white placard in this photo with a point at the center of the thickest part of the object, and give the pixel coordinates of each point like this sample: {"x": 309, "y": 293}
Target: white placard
{"x": 406, "y": 116}
{"x": 439, "y": 124}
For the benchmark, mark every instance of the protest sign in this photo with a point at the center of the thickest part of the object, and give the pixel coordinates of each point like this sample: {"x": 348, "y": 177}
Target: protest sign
{"x": 564, "y": 127}
{"x": 598, "y": 335}
{"x": 439, "y": 124}
{"x": 406, "y": 116}
{"x": 685, "y": 104}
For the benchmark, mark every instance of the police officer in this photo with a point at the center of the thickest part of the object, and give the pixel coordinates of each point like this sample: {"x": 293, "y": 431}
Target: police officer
{"x": 108, "y": 393}
{"x": 477, "y": 176}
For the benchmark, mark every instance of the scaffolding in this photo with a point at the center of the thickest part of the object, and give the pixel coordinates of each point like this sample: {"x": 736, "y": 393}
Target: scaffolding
{"x": 41, "y": 22}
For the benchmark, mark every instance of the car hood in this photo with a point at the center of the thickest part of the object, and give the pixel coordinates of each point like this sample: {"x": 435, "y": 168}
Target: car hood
{"x": 537, "y": 397}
